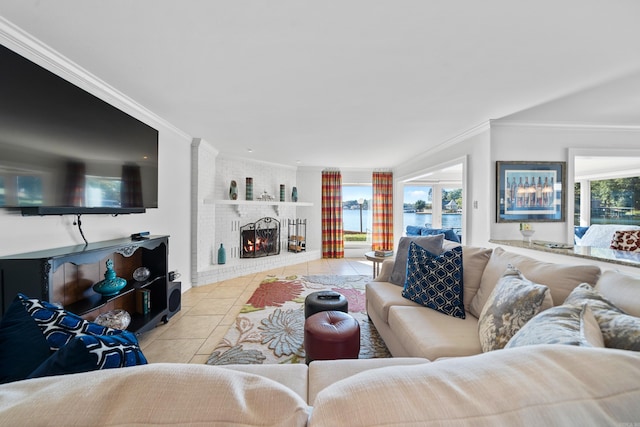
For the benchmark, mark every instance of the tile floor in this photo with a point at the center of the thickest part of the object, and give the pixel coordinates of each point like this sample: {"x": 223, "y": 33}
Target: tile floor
{"x": 208, "y": 311}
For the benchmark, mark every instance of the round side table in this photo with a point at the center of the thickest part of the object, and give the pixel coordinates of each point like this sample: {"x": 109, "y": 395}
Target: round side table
{"x": 377, "y": 260}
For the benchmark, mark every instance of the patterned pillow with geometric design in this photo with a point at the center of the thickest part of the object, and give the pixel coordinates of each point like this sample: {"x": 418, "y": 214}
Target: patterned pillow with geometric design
{"x": 86, "y": 353}
{"x": 58, "y": 325}
{"x": 626, "y": 240}
{"x": 435, "y": 281}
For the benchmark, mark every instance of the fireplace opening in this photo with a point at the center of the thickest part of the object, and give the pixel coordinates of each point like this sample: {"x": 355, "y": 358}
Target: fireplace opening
{"x": 260, "y": 238}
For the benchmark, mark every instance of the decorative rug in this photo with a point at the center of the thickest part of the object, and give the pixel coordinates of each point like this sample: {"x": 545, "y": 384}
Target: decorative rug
{"x": 270, "y": 326}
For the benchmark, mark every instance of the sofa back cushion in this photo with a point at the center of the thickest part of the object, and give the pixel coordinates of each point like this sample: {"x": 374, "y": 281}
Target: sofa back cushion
{"x": 474, "y": 261}
{"x": 621, "y": 289}
{"x": 153, "y": 394}
{"x": 537, "y": 385}
{"x": 559, "y": 278}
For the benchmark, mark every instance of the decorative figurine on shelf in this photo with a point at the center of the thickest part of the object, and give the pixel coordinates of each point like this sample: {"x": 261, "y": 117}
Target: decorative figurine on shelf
{"x": 294, "y": 194}
{"x": 233, "y": 190}
{"x": 222, "y": 255}
{"x": 111, "y": 284}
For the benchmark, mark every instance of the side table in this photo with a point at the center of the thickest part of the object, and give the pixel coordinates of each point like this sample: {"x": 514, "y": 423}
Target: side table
{"x": 377, "y": 260}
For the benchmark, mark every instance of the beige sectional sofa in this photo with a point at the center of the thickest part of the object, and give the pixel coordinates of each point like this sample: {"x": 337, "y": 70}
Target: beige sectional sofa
{"x": 411, "y": 330}
{"x": 550, "y": 385}
{"x": 426, "y": 383}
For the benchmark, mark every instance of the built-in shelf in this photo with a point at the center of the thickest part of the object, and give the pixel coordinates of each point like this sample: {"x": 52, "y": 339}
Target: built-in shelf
{"x": 240, "y": 204}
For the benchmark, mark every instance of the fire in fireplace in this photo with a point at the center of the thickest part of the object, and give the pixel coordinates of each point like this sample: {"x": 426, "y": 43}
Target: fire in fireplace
{"x": 260, "y": 238}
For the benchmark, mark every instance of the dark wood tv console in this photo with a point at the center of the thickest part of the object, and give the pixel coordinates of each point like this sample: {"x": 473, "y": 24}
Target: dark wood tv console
{"x": 66, "y": 276}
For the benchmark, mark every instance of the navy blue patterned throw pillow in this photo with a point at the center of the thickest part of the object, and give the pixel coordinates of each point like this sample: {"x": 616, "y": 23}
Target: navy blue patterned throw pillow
{"x": 74, "y": 344}
{"x": 58, "y": 325}
{"x": 92, "y": 352}
{"x": 435, "y": 281}
{"x": 22, "y": 345}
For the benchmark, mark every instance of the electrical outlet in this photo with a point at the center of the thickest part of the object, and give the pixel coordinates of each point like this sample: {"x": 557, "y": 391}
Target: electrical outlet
{"x": 475, "y": 204}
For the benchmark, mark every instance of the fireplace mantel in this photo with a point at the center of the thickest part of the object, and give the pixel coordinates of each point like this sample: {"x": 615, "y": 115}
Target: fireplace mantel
{"x": 241, "y": 204}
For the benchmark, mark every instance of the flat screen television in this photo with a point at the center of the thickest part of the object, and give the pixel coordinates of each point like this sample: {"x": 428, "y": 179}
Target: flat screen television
{"x": 66, "y": 151}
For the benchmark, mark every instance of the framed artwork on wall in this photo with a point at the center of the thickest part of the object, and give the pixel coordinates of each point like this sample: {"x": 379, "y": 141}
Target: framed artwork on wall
{"x": 530, "y": 191}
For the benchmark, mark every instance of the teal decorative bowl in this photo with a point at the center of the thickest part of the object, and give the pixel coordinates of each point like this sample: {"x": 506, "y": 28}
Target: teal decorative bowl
{"x": 111, "y": 284}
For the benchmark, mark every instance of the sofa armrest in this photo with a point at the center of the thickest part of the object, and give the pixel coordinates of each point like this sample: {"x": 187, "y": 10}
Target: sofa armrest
{"x": 385, "y": 270}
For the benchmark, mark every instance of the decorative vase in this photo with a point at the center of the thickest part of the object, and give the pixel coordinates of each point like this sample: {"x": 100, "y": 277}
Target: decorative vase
{"x": 294, "y": 194}
{"x": 282, "y": 192}
{"x": 249, "y": 195}
{"x": 222, "y": 255}
{"x": 111, "y": 284}
{"x": 233, "y": 191}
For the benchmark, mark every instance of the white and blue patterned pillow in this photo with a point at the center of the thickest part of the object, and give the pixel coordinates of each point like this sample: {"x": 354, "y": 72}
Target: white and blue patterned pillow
{"x": 78, "y": 345}
{"x": 58, "y": 325}
{"x": 435, "y": 281}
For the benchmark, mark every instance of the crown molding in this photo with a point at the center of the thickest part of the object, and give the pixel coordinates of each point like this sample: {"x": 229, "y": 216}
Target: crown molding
{"x": 36, "y": 51}
{"x": 565, "y": 126}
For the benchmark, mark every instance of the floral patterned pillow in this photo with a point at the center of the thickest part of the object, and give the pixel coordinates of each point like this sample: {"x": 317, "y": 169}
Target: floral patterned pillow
{"x": 512, "y": 303}
{"x": 619, "y": 329}
{"x": 564, "y": 324}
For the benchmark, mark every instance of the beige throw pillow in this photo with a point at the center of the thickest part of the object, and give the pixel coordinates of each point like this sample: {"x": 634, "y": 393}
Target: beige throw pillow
{"x": 512, "y": 303}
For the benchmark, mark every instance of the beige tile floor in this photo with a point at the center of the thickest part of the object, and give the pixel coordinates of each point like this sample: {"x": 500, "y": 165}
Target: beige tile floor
{"x": 209, "y": 311}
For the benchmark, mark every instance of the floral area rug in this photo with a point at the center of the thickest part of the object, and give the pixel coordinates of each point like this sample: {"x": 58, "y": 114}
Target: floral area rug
{"x": 270, "y": 326}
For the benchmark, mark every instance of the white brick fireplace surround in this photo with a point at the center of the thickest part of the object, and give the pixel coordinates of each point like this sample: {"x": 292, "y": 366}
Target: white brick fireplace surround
{"x": 216, "y": 219}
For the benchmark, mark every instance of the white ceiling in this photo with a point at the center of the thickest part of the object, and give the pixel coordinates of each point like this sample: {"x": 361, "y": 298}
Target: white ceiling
{"x": 350, "y": 83}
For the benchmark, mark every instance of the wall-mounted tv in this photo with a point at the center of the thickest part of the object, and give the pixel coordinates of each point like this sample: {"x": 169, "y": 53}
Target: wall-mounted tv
{"x": 65, "y": 151}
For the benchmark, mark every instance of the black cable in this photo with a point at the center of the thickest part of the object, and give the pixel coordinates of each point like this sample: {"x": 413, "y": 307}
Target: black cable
{"x": 79, "y": 224}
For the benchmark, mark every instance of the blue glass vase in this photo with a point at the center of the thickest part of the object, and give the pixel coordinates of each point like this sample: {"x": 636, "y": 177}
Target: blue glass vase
{"x": 222, "y": 255}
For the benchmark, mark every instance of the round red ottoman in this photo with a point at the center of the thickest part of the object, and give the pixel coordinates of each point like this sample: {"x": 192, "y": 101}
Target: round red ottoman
{"x": 331, "y": 335}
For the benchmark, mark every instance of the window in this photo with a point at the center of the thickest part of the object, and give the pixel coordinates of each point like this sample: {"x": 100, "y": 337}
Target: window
{"x": 432, "y": 206}
{"x": 610, "y": 201}
{"x": 356, "y": 214}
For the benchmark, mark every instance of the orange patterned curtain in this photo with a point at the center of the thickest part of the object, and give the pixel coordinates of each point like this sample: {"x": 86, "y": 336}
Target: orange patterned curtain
{"x": 382, "y": 238}
{"x": 332, "y": 233}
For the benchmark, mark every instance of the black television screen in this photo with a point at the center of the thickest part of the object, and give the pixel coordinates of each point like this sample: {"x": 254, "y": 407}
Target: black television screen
{"x": 64, "y": 150}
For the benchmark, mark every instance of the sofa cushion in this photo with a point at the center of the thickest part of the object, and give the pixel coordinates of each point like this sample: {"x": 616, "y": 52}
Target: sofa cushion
{"x": 559, "y": 278}
{"x": 600, "y": 235}
{"x": 619, "y": 329}
{"x": 621, "y": 289}
{"x": 435, "y": 281}
{"x": 534, "y": 386}
{"x": 323, "y": 373}
{"x": 431, "y": 243}
{"x": 474, "y": 261}
{"x": 449, "y": 234}
{"x": 512, "y": 303}
{"x": 153, "y": 394}
{"x": 563, "y": 324}
{"x": 22, "y": 346}
{"x": 381, "y": 296}
{"x": 431, "y": 334}
{"x": 291, "y": 375}
{"x": 91, "y": 352}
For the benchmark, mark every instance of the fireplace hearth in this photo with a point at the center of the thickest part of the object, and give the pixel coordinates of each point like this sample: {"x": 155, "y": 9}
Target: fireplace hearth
{"x": 260, "y": 238}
